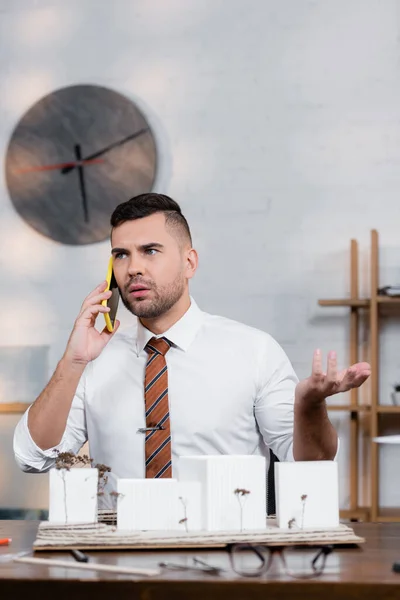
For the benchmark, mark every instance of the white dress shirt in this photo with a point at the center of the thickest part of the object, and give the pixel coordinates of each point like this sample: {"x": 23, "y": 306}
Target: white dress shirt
{"x": 230, "y": 389}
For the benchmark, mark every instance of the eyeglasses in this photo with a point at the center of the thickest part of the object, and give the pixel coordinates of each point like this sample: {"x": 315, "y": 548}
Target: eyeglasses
{"x": 197, "y": 565}
{"x": 253, "y": 561}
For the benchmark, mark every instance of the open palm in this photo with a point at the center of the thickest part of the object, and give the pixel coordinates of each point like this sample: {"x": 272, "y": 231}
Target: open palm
{"x": 322, "y": 384}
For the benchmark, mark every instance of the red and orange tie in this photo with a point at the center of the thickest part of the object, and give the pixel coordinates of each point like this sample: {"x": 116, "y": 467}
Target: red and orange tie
{"x": 158, "y": 436}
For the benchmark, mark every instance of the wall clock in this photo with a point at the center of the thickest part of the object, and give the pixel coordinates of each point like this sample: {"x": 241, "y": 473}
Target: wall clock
{"x": 75, "y": 155}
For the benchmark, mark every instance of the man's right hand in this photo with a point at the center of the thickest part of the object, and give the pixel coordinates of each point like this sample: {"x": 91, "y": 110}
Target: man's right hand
{"x": 85, "y": 342}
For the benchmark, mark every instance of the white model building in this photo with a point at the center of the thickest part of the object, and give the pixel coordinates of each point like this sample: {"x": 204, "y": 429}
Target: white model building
{"x": 213, "y": 493}
{"x": 233, "y": 490}
{"x": 73, "y": 496}
{"x": 307, "y": 494}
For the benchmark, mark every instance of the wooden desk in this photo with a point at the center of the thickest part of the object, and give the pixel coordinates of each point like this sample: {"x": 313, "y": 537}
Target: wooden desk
{"x": 364, "y": 573}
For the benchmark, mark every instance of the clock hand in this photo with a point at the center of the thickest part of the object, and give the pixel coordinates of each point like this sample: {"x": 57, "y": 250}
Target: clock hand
{"x": 107, "y": 148}
{"x": 82, "y": 182}
{"x": 60, "y": 166}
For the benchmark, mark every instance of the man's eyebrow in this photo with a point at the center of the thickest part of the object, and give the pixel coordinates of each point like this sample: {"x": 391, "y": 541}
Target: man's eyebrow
{"x": 119, "y": 251}
{"x": 143, "y": 247}
{"x": 151, "y": 245}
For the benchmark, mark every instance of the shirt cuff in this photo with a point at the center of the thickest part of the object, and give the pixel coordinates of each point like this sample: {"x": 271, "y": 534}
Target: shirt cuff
{"x": 27, "y": 452}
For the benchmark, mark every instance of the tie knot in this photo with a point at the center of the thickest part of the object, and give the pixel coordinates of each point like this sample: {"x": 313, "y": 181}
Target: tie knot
{"x": 158, "y": 346}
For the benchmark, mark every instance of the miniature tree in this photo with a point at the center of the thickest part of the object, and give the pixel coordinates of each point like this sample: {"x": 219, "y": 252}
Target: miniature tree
{"x": 303, "y": 508}
{"x": 241, "y": 495}
{"x": 292, "y": 522}
{"x": 185, "y": 519}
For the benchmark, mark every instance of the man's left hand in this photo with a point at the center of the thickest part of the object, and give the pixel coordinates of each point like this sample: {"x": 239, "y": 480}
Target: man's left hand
{"x": 320, "y": 385}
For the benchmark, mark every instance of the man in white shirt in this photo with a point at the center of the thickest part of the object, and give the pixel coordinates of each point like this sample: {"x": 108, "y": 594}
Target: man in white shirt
{"x": 181, "y": 382}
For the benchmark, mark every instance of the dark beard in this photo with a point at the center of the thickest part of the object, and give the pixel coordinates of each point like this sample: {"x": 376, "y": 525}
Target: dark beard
{"x": 165, "y": 298}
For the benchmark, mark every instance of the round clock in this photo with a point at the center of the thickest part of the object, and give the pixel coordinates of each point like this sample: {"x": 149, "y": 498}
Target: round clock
{"x": 74, "y": 156}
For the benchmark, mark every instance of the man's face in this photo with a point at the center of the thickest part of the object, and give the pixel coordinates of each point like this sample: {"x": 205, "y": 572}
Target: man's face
{"x": 150, "y": 266}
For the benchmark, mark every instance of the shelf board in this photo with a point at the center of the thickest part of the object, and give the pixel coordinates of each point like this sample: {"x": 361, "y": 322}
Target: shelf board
{"x": 349, "y": 407}
{"x": 388, "y": 299}
{"x": 357, "y": 302}
{"x": 382, "y": 409}
{"x": 388, "y": 409}
{"x": 14, "y": 407}
{"x": 358, "y": 513}
{"x": 389, "y": 515}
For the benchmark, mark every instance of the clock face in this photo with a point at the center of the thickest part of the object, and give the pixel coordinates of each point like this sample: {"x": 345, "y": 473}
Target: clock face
{"x": 73, "y": 157}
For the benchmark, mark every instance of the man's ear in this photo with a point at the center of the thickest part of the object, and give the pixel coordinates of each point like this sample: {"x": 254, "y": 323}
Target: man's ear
{"x": 192, "y": 261}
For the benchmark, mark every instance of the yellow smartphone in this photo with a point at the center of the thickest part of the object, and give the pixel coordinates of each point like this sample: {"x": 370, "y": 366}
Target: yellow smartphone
{"x": 113, "y": 300}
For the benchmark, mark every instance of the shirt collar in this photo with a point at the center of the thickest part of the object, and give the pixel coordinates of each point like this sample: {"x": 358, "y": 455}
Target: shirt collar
{"x": 181, "y": 334}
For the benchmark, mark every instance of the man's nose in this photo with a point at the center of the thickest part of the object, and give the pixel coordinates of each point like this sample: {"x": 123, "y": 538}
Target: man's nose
{"x": 136, "y": 266}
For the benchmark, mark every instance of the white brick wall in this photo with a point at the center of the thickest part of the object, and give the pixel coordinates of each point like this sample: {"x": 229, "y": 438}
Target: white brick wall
{"x": 278, "y": 123}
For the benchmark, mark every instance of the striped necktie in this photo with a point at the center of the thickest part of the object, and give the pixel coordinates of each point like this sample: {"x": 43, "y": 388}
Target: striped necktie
{"x": 158, "y": 441}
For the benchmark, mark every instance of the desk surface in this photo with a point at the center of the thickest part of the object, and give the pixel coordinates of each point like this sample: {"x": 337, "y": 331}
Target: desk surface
{"x": 364, "y": 572}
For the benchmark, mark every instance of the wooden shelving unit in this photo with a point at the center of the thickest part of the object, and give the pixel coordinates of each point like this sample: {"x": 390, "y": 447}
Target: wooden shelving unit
{"x": 357, "y": 410}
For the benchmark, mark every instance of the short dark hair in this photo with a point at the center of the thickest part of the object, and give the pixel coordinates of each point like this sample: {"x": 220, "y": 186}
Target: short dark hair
{"x": 148, "y": 204}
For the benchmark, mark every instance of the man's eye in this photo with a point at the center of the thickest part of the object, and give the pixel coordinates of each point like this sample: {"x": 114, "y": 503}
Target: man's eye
{"x": 119, "y": 255}
{"x": 150, "y": 251}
